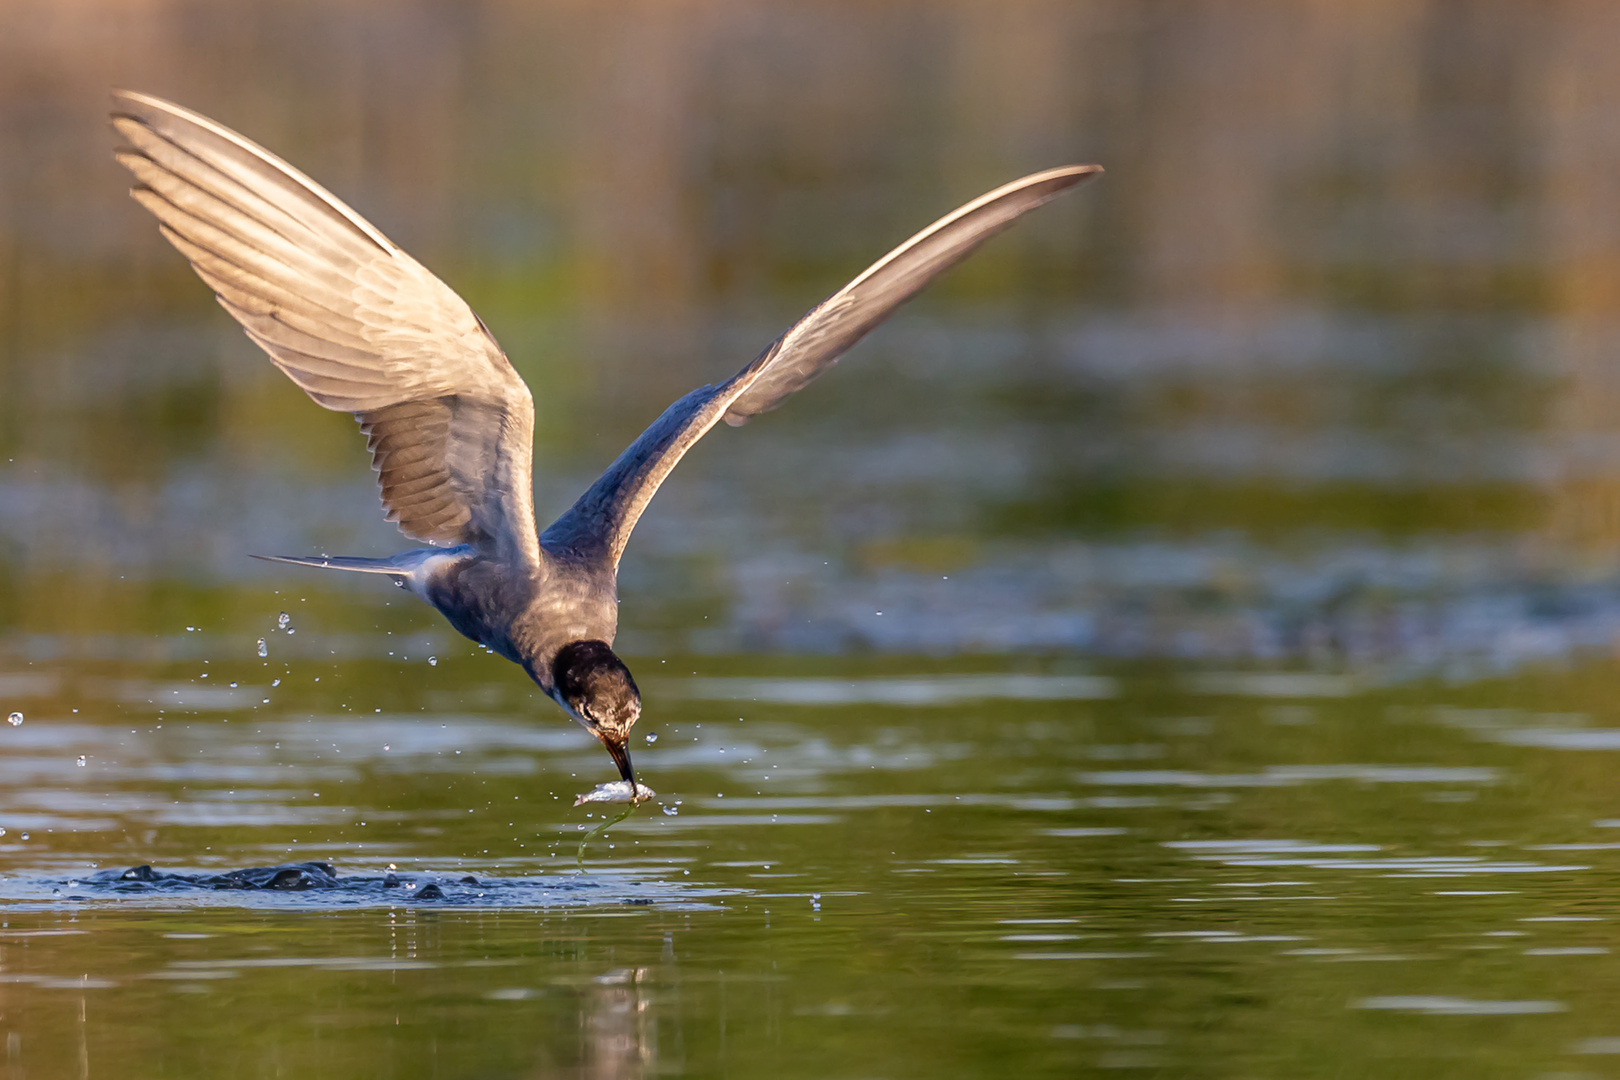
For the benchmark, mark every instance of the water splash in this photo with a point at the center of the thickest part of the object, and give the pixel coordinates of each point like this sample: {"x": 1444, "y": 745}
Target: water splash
{"x": 319, "y": 884}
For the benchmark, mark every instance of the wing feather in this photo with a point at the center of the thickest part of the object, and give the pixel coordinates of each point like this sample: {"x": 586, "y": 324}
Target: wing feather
{"x": 262, "y": 295}
{"x": 814, "y": 343}
{"x": 601, "y": 521}
{"x": 355, "y": 322}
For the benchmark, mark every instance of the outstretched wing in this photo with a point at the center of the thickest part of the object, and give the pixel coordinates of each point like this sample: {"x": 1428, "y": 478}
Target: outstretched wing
{"x": 605, "y": 515}
{"x": 358, "y": 324}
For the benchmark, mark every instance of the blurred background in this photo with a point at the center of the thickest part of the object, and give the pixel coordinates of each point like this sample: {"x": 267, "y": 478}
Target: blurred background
{"x": 1323, "y": 368}
{"x": 1210, "y": 586}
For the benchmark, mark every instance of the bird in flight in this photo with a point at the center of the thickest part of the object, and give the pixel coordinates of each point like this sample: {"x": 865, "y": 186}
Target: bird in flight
{"x": 363, "y": 328}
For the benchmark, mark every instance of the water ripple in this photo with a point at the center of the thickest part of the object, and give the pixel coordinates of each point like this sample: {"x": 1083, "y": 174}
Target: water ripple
{"x": 318, "y": 884}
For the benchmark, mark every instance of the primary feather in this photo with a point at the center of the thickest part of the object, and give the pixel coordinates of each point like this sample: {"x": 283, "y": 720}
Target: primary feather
{"x": 358, "y": 324}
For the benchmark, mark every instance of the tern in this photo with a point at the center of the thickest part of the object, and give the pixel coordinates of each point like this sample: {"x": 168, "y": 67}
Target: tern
{"x": 363, "y": 328}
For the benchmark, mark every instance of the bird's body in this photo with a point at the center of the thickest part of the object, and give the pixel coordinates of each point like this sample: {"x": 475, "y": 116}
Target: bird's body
{"x": 524, "y": 613}
{"x": 363, "y": 328}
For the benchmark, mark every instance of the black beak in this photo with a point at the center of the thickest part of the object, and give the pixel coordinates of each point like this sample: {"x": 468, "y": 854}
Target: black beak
{"x": 621, "y": 757}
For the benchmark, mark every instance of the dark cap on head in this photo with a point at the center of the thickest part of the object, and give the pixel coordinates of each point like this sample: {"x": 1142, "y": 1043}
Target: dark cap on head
{"x": 596, "y": 686}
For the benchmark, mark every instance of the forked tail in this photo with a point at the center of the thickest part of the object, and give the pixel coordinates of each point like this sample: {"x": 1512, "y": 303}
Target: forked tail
{"x": 394, "y": 566}
{"x": 415, "y": 570}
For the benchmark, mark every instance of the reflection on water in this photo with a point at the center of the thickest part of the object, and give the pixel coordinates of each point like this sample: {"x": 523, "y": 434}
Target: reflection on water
{"x": 1444, "y": 1006}
{"x": 937, "y": 690}
{"x": 845, "y": 874}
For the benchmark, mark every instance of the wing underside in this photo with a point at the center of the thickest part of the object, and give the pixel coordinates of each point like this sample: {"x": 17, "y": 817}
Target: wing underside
{"x": 607, "y": 513}
{"x": 356, "y": 323}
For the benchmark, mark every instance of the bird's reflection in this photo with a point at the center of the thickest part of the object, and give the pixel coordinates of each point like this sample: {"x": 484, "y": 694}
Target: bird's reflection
{"x": 618, "y": 1030}
{"x": 620, "y": 1027}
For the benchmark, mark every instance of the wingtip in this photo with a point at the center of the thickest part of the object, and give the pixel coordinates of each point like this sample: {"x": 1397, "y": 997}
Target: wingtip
{"x": 1044, "y": 185}
{"x": 125, "y": 96}
{"x": 290, "y": 560}
{"x": 132, "y": 108}
{"x": 128, "y": 103}
{"x": 1075, "y": 174}
{"x": 123, "y": 101}
{"x": 1053, "y": 182}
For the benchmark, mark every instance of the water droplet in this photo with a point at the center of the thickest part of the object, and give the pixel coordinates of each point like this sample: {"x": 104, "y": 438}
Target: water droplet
{"x": 433, "y": 661}
{"x": 652, "y": 737}
{"x": 81, "y": 761}
{"x": 191, "y": 629}
{"x": 15, "y": 719}
{"x": 233, "y": 686}
{"x": 2, "y": 832}
{"x": 283, "y": 620}
{"x": 23, "y": 836}
{"x": 264, "y": 648}
{"x": 275, "y": 682}
{"x": 671, "y": 811}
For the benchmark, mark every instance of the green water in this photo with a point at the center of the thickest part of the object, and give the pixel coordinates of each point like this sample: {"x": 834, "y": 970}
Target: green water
{"x": 1183, "y": 871}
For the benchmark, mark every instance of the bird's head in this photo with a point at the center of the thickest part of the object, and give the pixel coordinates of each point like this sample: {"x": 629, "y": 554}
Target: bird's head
{"x": 595, "y": 687}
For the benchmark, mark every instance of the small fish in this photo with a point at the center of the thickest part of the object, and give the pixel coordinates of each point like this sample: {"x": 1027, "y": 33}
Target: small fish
{"x": 617, "y": 791}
